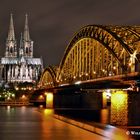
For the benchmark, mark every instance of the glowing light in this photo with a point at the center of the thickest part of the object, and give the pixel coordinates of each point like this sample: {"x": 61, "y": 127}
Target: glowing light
{"x": 49, "y": 100}
{"x": 64, "y": 84}
{"x": 108, "y": 93}
{"x": 114, "y": 67}
{"x": 13, "y": 95}
{"x": 78, "y": 82}
{"x": 119, "y": 106}
{"x": 8, "y": 107}
{"x": 17, "y": 88}
{"x": 45, "y": 93}
{"x": 23, "y": 96}
{"x": 41, "y": 106}
{"x": 41, "y": 97}
{"x": 49, "y": 97}
{"x": 130, "y": 64}
{"x": 48, "y": 111}
{"x": 86, "y": 74}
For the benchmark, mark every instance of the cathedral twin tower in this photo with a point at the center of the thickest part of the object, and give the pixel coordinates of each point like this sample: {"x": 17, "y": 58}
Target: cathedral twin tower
{"x": 26, "y": 44}
{"x": 18, "y": 62}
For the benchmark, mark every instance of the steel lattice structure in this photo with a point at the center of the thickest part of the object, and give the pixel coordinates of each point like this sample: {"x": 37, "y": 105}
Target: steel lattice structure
{"x": 100, "y": 51}
{"x": 48, "y": 78}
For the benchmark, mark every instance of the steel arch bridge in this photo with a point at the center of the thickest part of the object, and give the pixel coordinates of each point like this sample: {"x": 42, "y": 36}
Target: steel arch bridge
{"x": 98, "y": 51}
{"x": 48, "y": 78}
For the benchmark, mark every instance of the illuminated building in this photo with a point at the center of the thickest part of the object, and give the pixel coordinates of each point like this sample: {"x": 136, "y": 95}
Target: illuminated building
{"x": 19, "y": 65}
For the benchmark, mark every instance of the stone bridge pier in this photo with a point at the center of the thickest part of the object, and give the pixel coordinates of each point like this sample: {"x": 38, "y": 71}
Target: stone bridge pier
{"x": 124, "y": 106}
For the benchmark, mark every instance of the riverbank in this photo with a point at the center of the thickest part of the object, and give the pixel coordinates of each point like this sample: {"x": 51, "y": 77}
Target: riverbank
{"x": 107, "y": 131}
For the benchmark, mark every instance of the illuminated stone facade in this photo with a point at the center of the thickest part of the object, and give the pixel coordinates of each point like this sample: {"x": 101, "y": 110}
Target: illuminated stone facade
{"x": 119, "y": 108}
{"x": 18, "y": 62}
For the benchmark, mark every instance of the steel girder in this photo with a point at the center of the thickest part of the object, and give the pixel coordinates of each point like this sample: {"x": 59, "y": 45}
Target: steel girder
{"x": 127, "y": 39}
{"x": 48, "y": 77}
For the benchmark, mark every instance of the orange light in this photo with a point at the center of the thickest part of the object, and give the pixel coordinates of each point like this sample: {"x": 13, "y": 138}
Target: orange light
{"x": 41, "y": 97}
{"x": 119, "y": 106}
{"x": 49, "y": 100}
{"x": 130, "y": 64}
{"x": 23, "y": 96}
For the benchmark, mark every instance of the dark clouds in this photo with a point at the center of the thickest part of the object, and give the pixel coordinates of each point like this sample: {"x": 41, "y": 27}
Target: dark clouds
{"x": 53, "y": 22}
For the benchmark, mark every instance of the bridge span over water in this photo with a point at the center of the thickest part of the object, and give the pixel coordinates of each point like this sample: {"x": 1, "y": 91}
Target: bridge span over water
{"x": 99, "y": 59}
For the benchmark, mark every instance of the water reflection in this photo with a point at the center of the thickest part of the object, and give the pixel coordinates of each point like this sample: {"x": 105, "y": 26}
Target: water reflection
{"x": 48, "y": 112}
{"x": 104, "y": 116}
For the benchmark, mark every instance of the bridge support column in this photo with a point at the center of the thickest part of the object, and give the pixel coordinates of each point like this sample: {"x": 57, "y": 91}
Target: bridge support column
{"x": 119, "y": 108}
{"x": 49, "y": 99}
{"x": 125, "y": 108}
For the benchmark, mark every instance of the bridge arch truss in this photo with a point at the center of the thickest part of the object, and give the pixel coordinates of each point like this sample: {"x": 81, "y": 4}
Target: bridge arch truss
{"x": 48, "y": 78}
{"x": 99, "y": 51}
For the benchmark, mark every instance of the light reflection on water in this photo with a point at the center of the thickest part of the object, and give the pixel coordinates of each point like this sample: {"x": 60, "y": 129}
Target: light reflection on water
{"x": 104, "y": 116}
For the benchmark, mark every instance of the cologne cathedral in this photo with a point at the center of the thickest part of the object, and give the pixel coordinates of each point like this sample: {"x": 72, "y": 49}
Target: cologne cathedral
{"x": 18, "y": 64}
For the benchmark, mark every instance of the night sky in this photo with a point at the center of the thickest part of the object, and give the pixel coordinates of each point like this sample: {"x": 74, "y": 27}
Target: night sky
{"x": 52, "y": 23}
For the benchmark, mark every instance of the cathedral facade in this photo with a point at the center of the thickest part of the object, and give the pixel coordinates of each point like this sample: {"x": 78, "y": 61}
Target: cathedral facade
{"x": 18, "y": 64}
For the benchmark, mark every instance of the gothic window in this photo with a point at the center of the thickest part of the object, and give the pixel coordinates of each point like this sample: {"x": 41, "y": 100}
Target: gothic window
{"x": 11, "y": 50}
{"x": 26, "y": 50}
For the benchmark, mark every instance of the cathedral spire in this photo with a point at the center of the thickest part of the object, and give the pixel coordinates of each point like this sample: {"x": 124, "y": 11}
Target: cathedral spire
{"x": 11, "y": 46}
{"x": 26, "y": 35}
{"x": 11, "y": 33}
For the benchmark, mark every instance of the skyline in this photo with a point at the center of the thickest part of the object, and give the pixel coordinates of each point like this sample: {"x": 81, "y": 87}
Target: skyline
{"x": 52, "y": 24}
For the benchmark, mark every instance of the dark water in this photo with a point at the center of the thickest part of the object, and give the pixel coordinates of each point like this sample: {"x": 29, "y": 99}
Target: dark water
{"x": 29, "y": 123}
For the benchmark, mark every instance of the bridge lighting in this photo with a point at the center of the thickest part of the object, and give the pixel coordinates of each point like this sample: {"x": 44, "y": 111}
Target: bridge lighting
{"x": 13, "y": 95}
{"x": 94, "y": 72}
{"x": 41, "y": 97}
{"x": 23, "y": 96}
{"x": 64, "y": 85}
{"x": 77, "y": 82}
{"x": 130, "y": 64}
{"x": 86, "y": 74}
{"x": 114, "y": 68}
{"x": 110, "y": 74}
{"x": 108, "y": 93}
{"x": 16, "y": 88}
{"x": 49, "y": 99}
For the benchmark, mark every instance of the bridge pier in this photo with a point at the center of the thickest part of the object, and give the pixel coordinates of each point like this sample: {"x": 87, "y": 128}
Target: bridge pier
{"x": 88, "y": 99}
{"x": 49, "y": 99}
{"x": 125, "y": 108}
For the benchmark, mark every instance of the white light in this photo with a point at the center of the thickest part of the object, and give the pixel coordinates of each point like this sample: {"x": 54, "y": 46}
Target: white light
{"x": 78, "y": 82}
{"x": 108, "y": 93}
{"x": 64, "y": 84}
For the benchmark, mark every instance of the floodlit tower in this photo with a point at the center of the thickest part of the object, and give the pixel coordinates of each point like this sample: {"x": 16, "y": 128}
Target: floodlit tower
{"x": 27, "y": 42}
{"x": 11, "y": 45}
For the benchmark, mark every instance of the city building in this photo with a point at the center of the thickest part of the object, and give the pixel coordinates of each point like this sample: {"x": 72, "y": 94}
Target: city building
{"x": 18, "y": 64}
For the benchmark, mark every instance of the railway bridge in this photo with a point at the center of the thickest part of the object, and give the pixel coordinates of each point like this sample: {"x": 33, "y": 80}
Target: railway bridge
{"x": 100, "y": 68}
